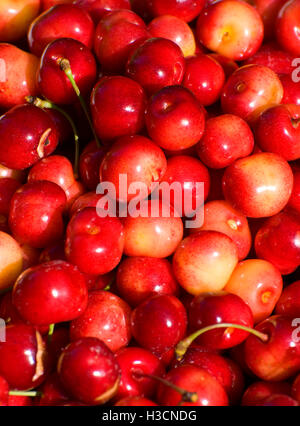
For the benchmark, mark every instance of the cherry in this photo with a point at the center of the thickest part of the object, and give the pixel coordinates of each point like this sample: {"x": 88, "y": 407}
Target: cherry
{"x": 4, "y": 392}
{"x": 118, "y": 106}
{"x": 259, "y": 185}
{"x": 286, "y": 26}
{"x": 278, "y": 241}
{"x": 35, "y": 136}
{"x": 258, "y": 392}
{"x": 22, "y": 357}
{"x": 277, "y": 358}
{"x": 52, "y": 392}
{"x": 183, "y": 9}
{"x": 93, "y": 243}
{"x": 117, "y": 35}
{"x": 150, "y": 236}
{"x": 175, "y": 119}
{"x": 137, "y": 366}
{"x": 55, "y": 251}
{"x": 53, "y": 83}
{"x": 106, "y": 317}
{"x": 204, "y": 261}
{"x": 259, "y": 284}
{"x": 89, "y": 371}
{"x": 88, "y": 199}
{"x": 49, "y": 293}
{"x": 11, "y": 260}
{"x": 228, "y": 65}
{"x": 137, "y": 157}
{"x": 159, "y": 323}
{"x": 291, "y": 92}
{"x": 277, "y": 400}
{"x": 219, "y": 146}
{"x": 89, "y": 164}
{"x": 155, "y": 64}
{"x": 289, "y": 301}
{"x": 138, "y": 278}
{"x": 205, "y": 77}
{"x": 19, "y": 401}
{"x": 295, "y": 393}
{"x": 188, "y": 172}
{"x": 195, "y": 379}
{"x": 135, "y": 401}
{"x": 97, "y": 9}
{"x": 61, "y": 21}
{"x": 40, "y": 204}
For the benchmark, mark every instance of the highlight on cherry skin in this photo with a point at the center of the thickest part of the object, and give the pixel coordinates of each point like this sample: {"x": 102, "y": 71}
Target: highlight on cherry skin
{"x": 149, "y": 203}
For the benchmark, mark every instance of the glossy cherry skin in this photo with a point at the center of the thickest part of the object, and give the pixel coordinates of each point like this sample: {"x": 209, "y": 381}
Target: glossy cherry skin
{"x": 46, "y": 4}
{"x": 204, "y": 261}
{"x": 61, "y": 21}
{"x": 291, "y": 91}
{"x": 249, "y": 90}
{"x": 289, "y": 302}
{"x": 19, "y": 80}
{"x": 106, "y": 317}
{"x": 134, "y": 363}
{"x": 88, "y": 199}
{"x": 135, "y": 401}
{"x": 205, "y": 77}
{"x": 155, "y": 64}
{"x": 89, "y": 164}
{"x": 57, "y": 169}
{"x": 118, "y": 107}
{"x": 216, "y": 308}
{"x": 259, "y": 185}
{"x": 159, "y": 323}
{"x": 23, "y": 357}
{"x": 117, "y": 35}
{"x": 257, "y": 392}
{"x": 220, "y": 144}
{"x": 89, "y": 371}
{"x": 175, "y": 119}
{"x": 278, "y": 358}
{"x": 231, "y": 28}
{"x": 278, "y": 400}
{"x": 137, "y": 157}
{"x": 272, "y": 56}
{"x": 93, "y": 243}
{"x": 188, "y": 172}
{"x": 220, "y": 216}
{"x": 35, "y": 216}
{"x": 8, "y": 187}
{"x": 52, "y": 392}
{"x": 52, "y": 81}
{"x": 4, "y": 389}
{"x": 287, "y": 27}
{"x": 193, "y": 379}
{"x": 97, "y": 9}
{"x": 228, "y": 65}
{"x": 154, "y": 236}
{"x": 138, "y": 278}
{"x": 35, "y": 136}
{"x": 226, "y": 371}
{"x": 50, "y": 293}
{"x": 277, "y": 130}
{"x": 176, "y": 30}
{"x": 278, "y": 241}
{"x": 259, "y": 284}
{"x": 183, "y": 9}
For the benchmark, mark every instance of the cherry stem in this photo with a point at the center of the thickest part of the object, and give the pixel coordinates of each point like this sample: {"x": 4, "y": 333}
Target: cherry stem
{"x": 44, "y": 103}
{"x": 25, "y": 393}
{"x": 183, "y": 346}
{"x": 50, "y": 333}
{"x": 66, "y": 68}
{"x": 186, "y": 396}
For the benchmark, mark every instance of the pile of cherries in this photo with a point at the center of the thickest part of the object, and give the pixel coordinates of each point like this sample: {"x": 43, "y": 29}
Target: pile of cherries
{"x": 131, "y": 311}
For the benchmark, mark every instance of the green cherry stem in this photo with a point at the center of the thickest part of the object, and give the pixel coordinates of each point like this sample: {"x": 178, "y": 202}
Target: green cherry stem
{"x": 50, "y": 333}
{"x": 25, "y": 393}
{"x": 44, "y": 103}
{"x": 183, "y": 346}
{"x": 66, "y": 68}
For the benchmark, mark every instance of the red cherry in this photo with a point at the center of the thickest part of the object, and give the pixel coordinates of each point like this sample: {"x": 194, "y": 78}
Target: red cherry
{"x": 289, "y": 301}
{"x": 97, "y": 9}
{"x": 89, "y": 199}
{"x": 135, "y": 401}
{"x": 4, "y": 389}
{"x": 291, "y": 90}
{"x": 8, "y": 187}
{"x": 257, "y": 392}
{"x": 155, "y": 64}
{"x": 175, "y": 119}
{"x": 159, "y": 323}
{"x": 22, "y": 357}
{"x": 89, "y": 164}
{"x": 118, "y": 106}
{"x": 40, "y": 204}
{"x": 53, "y": 82}
{"x": 296, "y": 388}
{"x": 106, "y": 317}
{"x": 89, "y": 371}
{"x": 93, "y": 243}
{"x": 49, "y": 293}
{"x": 136, "y": 365}
{"x": 61, "y": 21}
{"x": 278, "y": 400}
{"x": 141, "y": 277}
{"x": 294, "y": 201}
{"x": 52, "y": 392}
{"x": 287, "y": 26}
{"x": 183, "y": 9}
{"x": 35, "y": 136}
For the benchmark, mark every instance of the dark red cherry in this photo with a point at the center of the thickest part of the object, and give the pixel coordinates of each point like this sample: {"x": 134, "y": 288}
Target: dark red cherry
{"x": 135, "y": 401}
{"x": 52, "y": 392}
{"x": 8, "y": 187}
{"x": 257, "y": 392}
{"x": 89, "y": 164}
{"x": 34, "y": 136}
{"x": 98, "y": 8}
{"x": 289, "y": 302}
{"x": 4, "y": 389}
